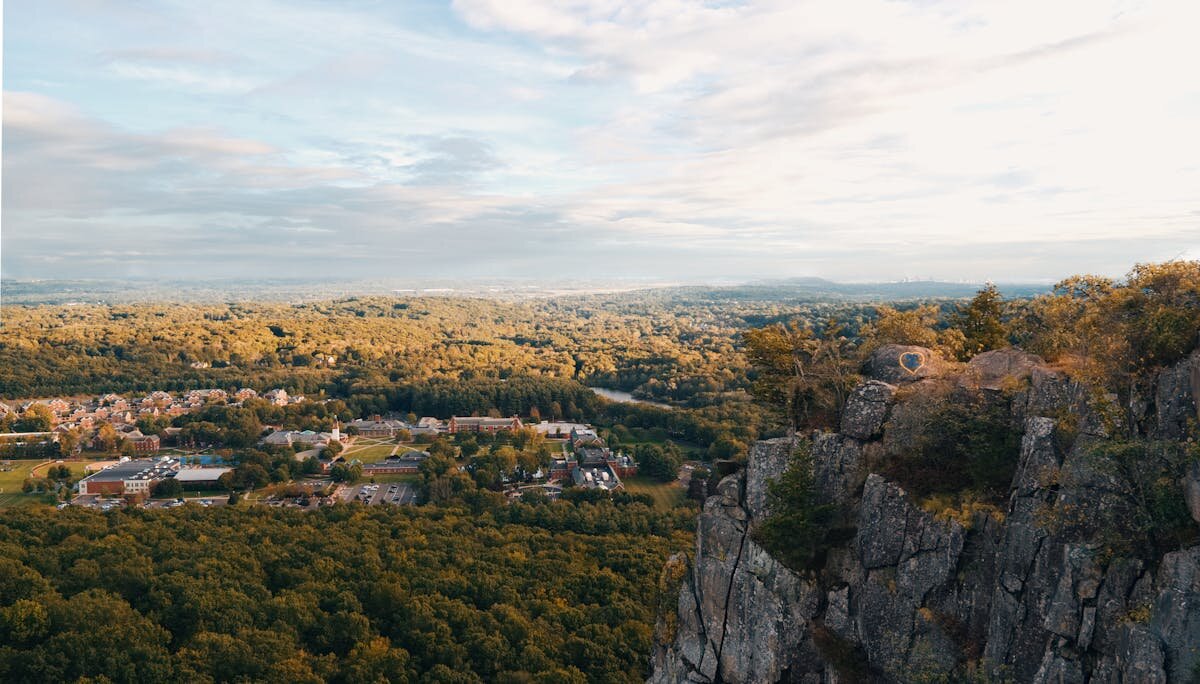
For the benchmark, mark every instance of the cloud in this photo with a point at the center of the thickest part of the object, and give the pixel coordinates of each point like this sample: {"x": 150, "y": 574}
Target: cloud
{"x": 668, "y": 138}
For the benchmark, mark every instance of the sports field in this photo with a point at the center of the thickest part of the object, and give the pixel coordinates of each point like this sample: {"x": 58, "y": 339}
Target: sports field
{"x": 666, "y": 495}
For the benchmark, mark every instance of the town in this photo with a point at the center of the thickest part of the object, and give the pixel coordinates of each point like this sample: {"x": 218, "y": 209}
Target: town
{"x": 113, "y": 451}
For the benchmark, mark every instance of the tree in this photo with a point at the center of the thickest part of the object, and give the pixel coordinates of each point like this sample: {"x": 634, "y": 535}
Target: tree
{"x": 796, "y": 524}
{"x": 68, "y": 442}
{"x": 468, "y": 447}
{"x": 981, "y": 322}
{"x": 698, "y": 485}
{"x": 168, "y": 488}
{"x": 443, "y": 448}
{"x": 726, "y": 447}
{"x": 917, "y": 326}
{"x": 658, "y": 463}
{"x": 331, "y": 450}
{"x": 805, "y": 376}
{"x": 37, "y": 418}
{"x": 346, "y": 473}
{"x": 106, "y": 437}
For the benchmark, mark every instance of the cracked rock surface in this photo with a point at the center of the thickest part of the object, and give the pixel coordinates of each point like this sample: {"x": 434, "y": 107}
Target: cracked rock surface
{"x": 914, "y": 595}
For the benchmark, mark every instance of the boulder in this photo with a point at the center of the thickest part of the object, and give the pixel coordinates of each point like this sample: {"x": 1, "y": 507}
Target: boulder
{"x": 994, "y": 369}
{"x": 867, "y": 409}
{"x": 768, "y": 460}
{"x": 1191, "y": 490}
{"x": 898, "y": 363}
{"x": 1175, "y": 398}
{"x": 837, "y": 466}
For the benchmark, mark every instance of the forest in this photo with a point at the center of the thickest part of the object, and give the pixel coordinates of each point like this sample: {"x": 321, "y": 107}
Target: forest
{"x": 438, "y": 356}
{"x": 543, "y": 592}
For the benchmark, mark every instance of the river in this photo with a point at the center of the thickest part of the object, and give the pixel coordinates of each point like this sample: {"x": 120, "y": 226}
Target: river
{"x": 626, "y": 397}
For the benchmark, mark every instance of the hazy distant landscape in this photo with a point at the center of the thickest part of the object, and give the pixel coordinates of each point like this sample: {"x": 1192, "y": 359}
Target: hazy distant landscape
{"x": 34, "y": 292}
{"x": 600, "y": 342}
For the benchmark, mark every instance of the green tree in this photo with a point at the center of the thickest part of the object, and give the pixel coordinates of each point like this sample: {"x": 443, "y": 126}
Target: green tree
{"x": 37, "y": 418}
{"x": 806, "y": 376}
{"x": 981, "y": 322}
{"x": 168, "y": 488}
{"x": 659, "y": 463}
{"x": 797, "y": 522}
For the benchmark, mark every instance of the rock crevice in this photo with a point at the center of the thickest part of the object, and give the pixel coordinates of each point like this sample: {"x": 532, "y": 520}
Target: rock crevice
{"x": 915, "y": 594}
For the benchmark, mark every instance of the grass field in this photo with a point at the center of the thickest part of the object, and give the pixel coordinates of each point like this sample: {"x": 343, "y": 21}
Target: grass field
{"x": 14, "y": 500}
{"x": 666, "y": 495}
{"x": 369, "y": 454}
{"x": 77, "y": 468}
{"x": 11, "y": 480}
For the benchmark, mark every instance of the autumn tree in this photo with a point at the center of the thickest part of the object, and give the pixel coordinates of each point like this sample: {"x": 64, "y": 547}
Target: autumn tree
{"x": 919, "y": 326}
{"x": 981, "y": 322}
{"x": 806, "y": 375}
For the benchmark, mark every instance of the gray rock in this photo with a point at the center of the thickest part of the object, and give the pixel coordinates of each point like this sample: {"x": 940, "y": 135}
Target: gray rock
{"x": 1176, "y": 616}
{"x": 837, "y": 466}
{"x": 1000, "y": 368}
{"x": 1191, "y": 490}
{"x": 767, "y": 460}
{"x": 1175, "y": 398}
{"x": 1056, "y": 669}
{"x": 896, "y": 364}
{"x": 866, "y": 409}
{"x": 918, "y": 596}
{"x": 1140, "y": 657}
{"x": 743, "y": 616}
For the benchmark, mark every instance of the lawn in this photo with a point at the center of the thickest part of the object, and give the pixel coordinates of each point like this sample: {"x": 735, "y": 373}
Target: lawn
{"x": 666, "y": 495}
{"x": 11, "y": 480}
{"x": 369, "y": 454}
{"x": 13, "y": 500}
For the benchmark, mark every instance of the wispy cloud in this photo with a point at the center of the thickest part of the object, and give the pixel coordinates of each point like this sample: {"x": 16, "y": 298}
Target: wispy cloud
{"x": 855, "y": 139}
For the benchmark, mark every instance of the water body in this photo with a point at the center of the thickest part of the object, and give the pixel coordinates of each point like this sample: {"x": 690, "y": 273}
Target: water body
{"x": 625, "y": 397}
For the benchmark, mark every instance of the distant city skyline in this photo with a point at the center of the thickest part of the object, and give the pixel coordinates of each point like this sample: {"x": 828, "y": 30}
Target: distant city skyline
{"x": 859, "y": 141}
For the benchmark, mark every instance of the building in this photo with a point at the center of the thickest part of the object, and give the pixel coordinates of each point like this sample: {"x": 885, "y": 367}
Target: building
{"x": 279, "y": 397}
{"x": 596, "y": 477}
{"x": 201, "y": 478}
{"x": 557, "y": 430}
{"x": 560, "y": 469}
{"x": 581, "y": 435}
{"x": 145, "y": 444}
{"x": 489, "y": 425}
{"x": 377, "y": 427}
{"x": 427, "y": 426}
{"x": 136, "y": 476}
{"x": 302, "y": 438}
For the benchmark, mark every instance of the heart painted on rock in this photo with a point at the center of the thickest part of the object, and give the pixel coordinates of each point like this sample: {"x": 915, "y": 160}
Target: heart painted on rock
{"x": 912, "y": 361}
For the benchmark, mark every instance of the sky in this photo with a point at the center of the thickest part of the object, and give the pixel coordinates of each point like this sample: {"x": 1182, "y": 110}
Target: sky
{"x": 858, "y": 140}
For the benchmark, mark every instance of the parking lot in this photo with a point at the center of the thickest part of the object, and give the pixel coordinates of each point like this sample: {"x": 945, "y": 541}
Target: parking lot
{"x": 103, "y": 504}
{"x": 396, "y": 493}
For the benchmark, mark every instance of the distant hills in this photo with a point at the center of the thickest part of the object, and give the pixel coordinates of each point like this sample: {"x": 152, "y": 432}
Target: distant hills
{"x": 60, "y": 292}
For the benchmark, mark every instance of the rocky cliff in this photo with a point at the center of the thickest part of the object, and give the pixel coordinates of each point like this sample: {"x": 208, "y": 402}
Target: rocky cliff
{"x": 987, "y": 595}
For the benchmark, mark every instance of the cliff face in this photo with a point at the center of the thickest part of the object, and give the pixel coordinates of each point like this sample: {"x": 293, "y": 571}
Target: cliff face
{"x": 915, "y": 597}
